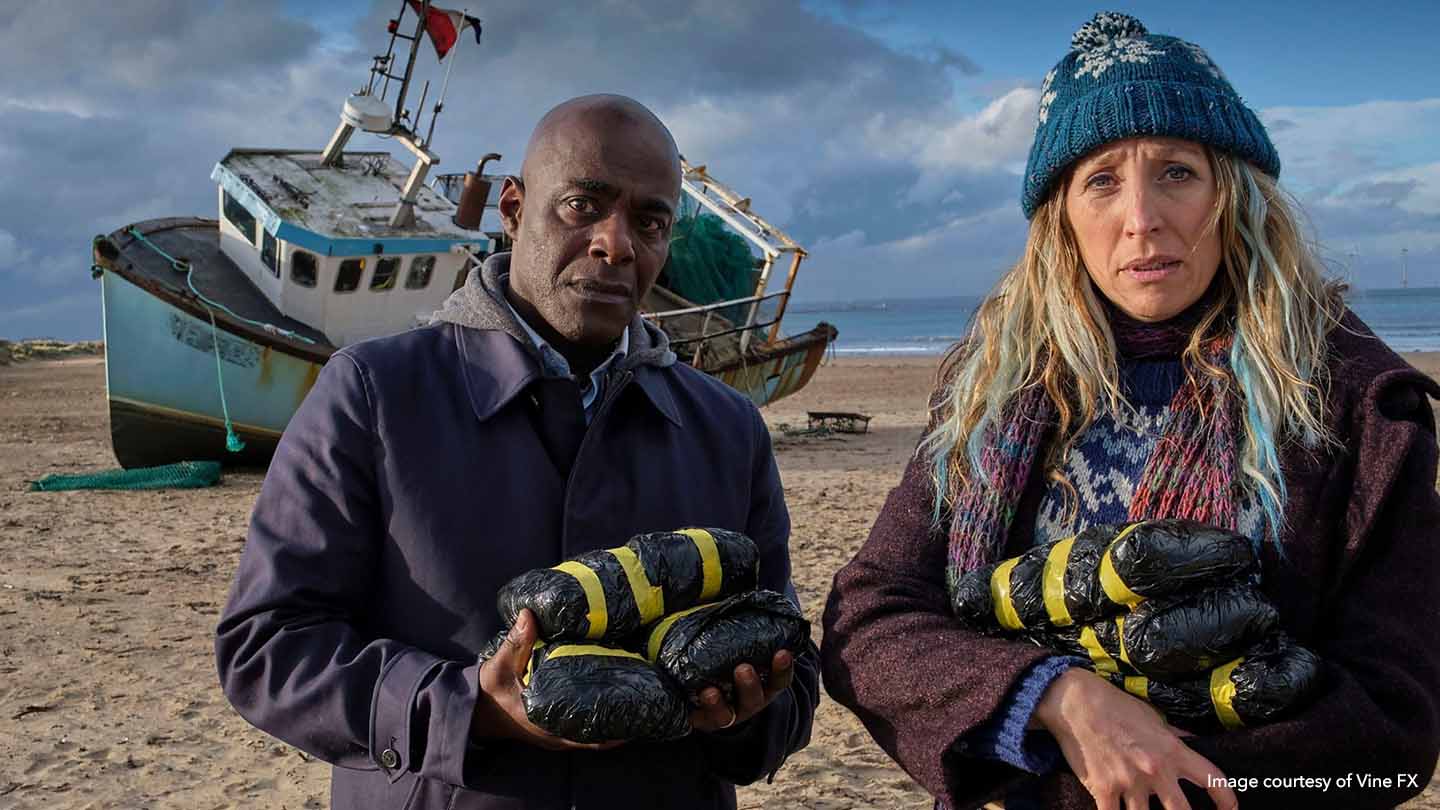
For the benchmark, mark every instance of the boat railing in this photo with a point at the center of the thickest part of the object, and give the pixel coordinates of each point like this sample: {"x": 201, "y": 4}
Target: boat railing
{"x": 718, "y": 334}
{"x": 449, "y": 185}
{"x": 773, "y": 243}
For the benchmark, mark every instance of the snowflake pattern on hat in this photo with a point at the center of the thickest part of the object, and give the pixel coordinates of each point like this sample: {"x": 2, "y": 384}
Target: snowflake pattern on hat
{"x": 1047, "y": 96}
{"x": 1203, "y": 60}
{"x": 1096, "y": 61}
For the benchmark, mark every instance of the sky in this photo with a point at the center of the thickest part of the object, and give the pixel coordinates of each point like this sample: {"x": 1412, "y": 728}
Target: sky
{"x": 887, "y": 138}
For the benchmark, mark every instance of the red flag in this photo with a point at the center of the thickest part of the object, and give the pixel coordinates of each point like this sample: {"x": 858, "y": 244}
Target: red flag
{"x": 445, "y": 26}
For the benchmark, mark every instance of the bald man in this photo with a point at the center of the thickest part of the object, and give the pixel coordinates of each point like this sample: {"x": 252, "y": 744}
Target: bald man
{"x": 536, "y": 417}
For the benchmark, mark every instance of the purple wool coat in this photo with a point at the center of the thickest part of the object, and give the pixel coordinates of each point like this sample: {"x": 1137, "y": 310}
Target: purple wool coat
{"x": 1358, "y": 586}
{"x": 409, "y": 487}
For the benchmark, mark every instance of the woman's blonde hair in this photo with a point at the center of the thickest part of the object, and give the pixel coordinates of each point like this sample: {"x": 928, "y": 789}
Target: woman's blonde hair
{"x": 1043, "y": 325}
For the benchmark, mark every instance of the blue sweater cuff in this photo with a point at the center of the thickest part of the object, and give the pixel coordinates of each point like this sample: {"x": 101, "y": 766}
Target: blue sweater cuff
{"x": 1004, "y": 736}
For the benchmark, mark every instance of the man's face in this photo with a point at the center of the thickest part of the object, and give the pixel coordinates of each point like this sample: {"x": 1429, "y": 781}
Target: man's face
{"x": 591, "y": 226}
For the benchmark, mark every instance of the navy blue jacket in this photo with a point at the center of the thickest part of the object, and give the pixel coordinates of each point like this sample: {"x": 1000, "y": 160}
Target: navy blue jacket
{"x": 408, "y": 488}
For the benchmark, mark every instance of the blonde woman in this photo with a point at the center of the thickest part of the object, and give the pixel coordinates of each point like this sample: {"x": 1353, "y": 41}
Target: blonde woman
{"x": 1166, "y": 348}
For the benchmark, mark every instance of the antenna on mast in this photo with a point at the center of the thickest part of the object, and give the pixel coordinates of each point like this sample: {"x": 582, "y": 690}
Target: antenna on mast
{"x": 364, "y": 110}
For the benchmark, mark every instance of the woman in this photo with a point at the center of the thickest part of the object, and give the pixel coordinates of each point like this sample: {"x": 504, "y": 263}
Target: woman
{"x": 1165, "y": 348}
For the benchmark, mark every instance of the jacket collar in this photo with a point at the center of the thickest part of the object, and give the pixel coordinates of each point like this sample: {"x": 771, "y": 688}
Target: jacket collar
{"x": 499, "y": 360}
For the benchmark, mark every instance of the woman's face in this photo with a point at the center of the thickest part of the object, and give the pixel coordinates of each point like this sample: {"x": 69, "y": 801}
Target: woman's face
{"x": 1139, "y": 209}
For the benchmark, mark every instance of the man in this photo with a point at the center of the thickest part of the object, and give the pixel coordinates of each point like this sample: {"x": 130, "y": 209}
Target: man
{"x": 536, "y": 417}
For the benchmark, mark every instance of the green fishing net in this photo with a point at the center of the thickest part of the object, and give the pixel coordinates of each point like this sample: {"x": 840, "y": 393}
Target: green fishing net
{"x": 708, "y": 262}
{"x": 182, "y": 475}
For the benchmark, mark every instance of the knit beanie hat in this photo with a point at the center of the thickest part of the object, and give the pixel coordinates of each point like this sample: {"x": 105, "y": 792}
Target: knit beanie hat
{"x": 1120, "y": 81}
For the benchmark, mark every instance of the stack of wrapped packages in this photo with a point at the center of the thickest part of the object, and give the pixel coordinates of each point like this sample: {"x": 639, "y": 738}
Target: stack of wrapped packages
{"x": 629, "y": 636}
{"x": 1165, "y": 609}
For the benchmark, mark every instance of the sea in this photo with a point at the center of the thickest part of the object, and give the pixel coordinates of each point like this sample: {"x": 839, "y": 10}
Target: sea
{"x": 1408, "y": 320}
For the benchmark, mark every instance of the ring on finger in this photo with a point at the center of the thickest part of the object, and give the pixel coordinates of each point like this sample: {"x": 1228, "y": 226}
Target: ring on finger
{"x": 733, "y": 717}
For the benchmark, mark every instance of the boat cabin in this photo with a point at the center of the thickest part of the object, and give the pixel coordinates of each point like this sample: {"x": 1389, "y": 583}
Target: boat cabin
{"x": 317, "y": 240}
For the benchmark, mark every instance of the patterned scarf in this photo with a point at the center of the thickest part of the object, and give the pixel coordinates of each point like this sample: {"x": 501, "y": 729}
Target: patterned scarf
{"x": 1190, "y": 474}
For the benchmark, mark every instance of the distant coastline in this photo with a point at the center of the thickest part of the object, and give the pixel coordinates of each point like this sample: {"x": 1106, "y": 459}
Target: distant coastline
{"x": 942, "y": 301}
{"x": 1408, "y": 320}
{"x": 19, "y": 351}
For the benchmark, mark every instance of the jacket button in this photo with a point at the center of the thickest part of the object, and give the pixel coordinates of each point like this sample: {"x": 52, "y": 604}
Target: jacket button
{"x": 388, "y": 758}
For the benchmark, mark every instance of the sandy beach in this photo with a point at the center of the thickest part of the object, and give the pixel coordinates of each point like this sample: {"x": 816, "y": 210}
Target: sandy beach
{"x": 108, "y": 601}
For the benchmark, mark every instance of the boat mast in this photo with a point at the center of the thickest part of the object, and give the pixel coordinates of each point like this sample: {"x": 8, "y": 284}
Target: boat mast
{"x": 363, "y": 110}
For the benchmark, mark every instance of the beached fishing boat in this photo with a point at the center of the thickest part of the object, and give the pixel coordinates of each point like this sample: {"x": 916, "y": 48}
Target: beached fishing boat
{"x": 215, "y": 329}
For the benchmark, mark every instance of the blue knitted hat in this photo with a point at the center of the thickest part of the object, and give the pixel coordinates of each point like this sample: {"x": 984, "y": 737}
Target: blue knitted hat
{"x": 1119, "y": 81}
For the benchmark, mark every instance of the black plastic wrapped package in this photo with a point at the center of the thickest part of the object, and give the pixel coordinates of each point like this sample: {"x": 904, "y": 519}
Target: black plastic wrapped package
{"x": 1055, "y": 584}
{"x": 1196, "y": 631}
{"x": 1098, "y": 643}
{"x": 695, "y": 566}
{"x": 591, "y": 693}
{"x": 607, "y": 595}
{"x": 1271, "y": 680}
{"x": 701, "y": 647}
{"x": 1163, "y": 557}
{"x": 1103, "y": 571}
{"x": 1075, "y": 596}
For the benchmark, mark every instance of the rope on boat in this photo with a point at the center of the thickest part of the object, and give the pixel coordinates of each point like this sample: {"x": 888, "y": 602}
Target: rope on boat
{"x": 182, "y": 266}
{"x": 233, "y": 442}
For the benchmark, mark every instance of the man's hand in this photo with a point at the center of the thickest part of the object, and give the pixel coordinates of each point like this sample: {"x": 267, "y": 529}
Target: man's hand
{"x": 499, "y": 709}
{"x": 1121, "y": 749}
{"x": 715, "y": 713}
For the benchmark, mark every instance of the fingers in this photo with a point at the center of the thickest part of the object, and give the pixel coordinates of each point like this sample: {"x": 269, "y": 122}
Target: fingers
{"x": 1137, "y": 800}
{"x": 1203, "y": 773}
{"x": 519, "y": 644}
{"x": 749, "y": 693}
{"x": 782, "y": 674}
{"x": 1105, "y": 801}
{"x": 1171, "y": 796}
{"x": 713, "y": 713}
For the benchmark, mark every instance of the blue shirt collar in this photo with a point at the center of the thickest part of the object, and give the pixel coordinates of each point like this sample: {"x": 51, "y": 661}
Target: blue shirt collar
{"x": 557, "y": 366}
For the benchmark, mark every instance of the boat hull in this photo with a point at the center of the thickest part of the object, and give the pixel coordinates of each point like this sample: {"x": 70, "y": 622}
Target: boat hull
{"x": 164, "y": 388}
{"x": 773, "y": 372}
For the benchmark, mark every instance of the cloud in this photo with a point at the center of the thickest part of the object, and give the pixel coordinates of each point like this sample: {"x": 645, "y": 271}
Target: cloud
{"x": 52, "y": 317}
{"x": 858, "y": 147}
{"x": 947, "y": 57}
{"x": 111, "y": 54}
{"x": 1383, "y": 192}
{"x": 12, "y": 255}
{"x": 1367, "y": 179}
{"x": 1321, "y": 148}
{"x": 960, "y": 256}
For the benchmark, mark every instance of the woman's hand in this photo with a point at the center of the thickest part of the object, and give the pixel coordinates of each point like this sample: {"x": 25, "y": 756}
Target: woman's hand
{"x": 1121, "y": 749}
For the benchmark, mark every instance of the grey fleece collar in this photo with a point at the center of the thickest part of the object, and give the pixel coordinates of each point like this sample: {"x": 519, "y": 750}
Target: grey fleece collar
{"x": 480, "y": 304}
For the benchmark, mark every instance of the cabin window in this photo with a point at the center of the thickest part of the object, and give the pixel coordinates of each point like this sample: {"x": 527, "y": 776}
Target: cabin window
{"x": 420, "y": 269}
{"x": 302, "y": 268}
{"x": 269, "y": 253}
{"x": 348, "y": 279}
{"x": 386, "y": 270}
{"x": 461, "y": 276}
{"x": 243, "y": 220}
